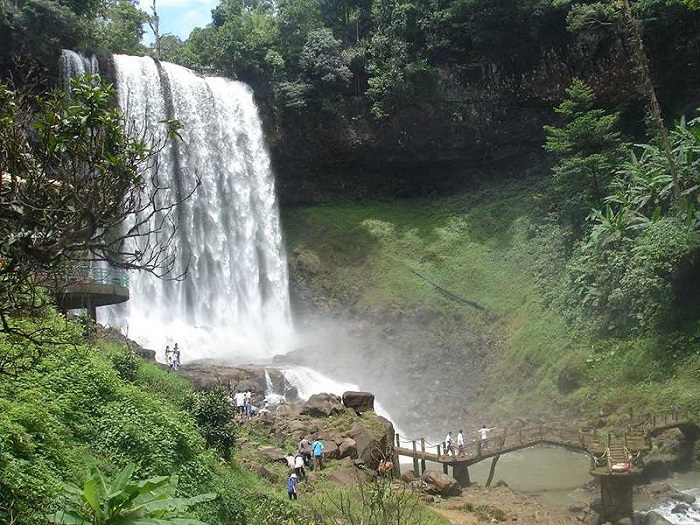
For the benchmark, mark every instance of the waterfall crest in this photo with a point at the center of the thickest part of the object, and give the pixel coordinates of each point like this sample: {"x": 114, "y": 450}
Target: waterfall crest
{"x": 72, "y": 64}
{"x": 234, "y": 303}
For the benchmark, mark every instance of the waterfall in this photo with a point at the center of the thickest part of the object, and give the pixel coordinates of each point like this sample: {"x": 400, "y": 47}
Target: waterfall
{"x": 233, "y": 303}
{"x": 309, "y": 382}
{"x": 72, "y": 64}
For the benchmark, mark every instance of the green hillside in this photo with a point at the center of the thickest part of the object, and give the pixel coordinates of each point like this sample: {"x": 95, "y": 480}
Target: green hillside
{"x": 499, "y": 248}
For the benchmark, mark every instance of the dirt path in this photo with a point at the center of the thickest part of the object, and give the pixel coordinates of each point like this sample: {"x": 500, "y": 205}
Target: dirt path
{"x": 500, "y": 504}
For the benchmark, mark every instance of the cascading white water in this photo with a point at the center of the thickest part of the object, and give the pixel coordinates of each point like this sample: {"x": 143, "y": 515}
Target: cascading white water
{"x": 309, "y": 382}
{"x": 72, "y": 64}
{"x": 234, "y": 302}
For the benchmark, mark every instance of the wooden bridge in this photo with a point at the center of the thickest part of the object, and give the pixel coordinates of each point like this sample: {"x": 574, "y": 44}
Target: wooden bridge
{"x": 614, "y": 456}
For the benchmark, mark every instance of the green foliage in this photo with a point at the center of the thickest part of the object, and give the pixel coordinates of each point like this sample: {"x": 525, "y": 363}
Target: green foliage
{"x": 125, "y": 501}
{"x": 629, "y": 270}
{"x": 374, "y": 501}
{"x": 321, "y": 61}
{"x": 121, "y": 29}
{"x": 214, "y": 415}
{"x": 126, "y": 363}
{"x": 587, "y": 147}
{"x": 628, "y": 284}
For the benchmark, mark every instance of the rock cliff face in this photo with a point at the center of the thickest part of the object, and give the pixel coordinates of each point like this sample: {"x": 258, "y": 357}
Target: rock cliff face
{"x": 483, "y": 117}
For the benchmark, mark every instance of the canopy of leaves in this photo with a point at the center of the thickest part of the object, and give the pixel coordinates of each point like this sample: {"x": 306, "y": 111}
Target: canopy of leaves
{"x": 644, "y": 243}
{"x": 587, "y": 147}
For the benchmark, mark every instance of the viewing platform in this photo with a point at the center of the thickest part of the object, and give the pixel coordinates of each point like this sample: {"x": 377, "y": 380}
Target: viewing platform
{"x": 88, "y": 287}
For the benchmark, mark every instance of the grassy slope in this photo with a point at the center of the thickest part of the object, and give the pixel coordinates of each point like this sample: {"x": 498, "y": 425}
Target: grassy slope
{"x": 79, "y": 401}
{"x": 497, "y": 247}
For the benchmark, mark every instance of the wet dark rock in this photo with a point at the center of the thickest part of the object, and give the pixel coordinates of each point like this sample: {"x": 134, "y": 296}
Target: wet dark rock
{"x": 347, "y": 448}
{"x": 577, "y": 507}
{"x": 654, "y": 518}
{"x": 683, "y": 497}
{"x": 439, "y": 483}
{"x": 322, "y": 405}
{"x": 680, "y": 508}
{"x": 359, "y": 401}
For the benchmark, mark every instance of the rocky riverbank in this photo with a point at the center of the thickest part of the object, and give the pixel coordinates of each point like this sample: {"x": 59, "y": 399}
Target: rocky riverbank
{"x": 355, "y": 440}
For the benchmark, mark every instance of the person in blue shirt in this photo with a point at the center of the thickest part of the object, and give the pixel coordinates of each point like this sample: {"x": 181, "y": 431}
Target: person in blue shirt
{"x": 292, "y": 486}
{"x": 317, "y": 447}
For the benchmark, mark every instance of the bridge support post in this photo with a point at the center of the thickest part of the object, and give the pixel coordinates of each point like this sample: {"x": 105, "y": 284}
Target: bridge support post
{"x": 616, "y": 498}
{"x": 422, "y": 459}
{"x": 415, "y": 460}
{"x": 492, "y": 471}
{"x": 460, "y": 472}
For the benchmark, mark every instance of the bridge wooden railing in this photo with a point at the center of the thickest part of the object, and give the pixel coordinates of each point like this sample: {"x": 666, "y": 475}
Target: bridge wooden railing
{"x": 634, "y": 438}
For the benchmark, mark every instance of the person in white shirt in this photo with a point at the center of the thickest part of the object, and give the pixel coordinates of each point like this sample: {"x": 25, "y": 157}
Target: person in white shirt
{"x": 448, "y": 443}
{"x": 299, "y": 466}
{"x": 248, "y": 402}
{"x": 240, "y": 402}
{"x": 460, "y": 442}
{"x": 483, "y": 433}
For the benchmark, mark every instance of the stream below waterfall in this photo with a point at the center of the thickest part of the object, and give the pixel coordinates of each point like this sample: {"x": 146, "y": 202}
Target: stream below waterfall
{"x": 559, "y": 476}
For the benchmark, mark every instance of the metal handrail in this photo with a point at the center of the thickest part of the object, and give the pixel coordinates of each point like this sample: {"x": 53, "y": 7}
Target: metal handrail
{"x": 105, "y": 275}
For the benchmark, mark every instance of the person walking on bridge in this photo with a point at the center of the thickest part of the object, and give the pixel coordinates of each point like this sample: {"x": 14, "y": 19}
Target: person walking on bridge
{"x": 448, "y": 444}
{"x": 460, "y": 442}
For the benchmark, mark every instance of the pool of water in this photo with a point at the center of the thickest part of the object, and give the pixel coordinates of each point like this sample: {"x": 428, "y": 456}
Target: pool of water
{"x": 559, "y": 475}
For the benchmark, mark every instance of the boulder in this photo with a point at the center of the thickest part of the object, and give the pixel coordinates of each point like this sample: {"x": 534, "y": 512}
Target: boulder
{"x": 347, "y": 448}
{"x": 262, "y": 471}
{"x": 408, "y": 476}
{"x": 322, "y": 405}
{"x": 439, "y": 483}
{"x": 577, "y": 507}
{"x": 330, "y": 450}
{"x": 680, "y": 508}
{"x": 654, "y": 518}
{"x": 272, "y": 453}
{"x": 248, "y": 384}
{"x": 359, "y": 401}
{"x": 625, "y": 521}
{"x": 144, "y": 353}
{"x": 682, "y": 497}
{"x": 372, "y": 445}
{"x": 368, "y": 447}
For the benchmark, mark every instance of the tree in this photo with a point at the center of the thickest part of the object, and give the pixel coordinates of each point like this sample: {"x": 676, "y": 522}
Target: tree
{"x": 588, "y": 146}
{"x": 75, "y": 186}
{"x": 321, "y": 60}
{"x": 630, "y": 269}
{"x": 121, "y": 28}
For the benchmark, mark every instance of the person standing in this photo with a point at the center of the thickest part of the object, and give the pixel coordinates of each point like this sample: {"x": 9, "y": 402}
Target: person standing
{"x": 176, "y": 357}
{"x": 317, "y": 447}
{"x": 299, "y": 467}
{"x": 240, "y": 403}
{"x": 292, "y": 486}
{"x": 306, "y": 451}
{"x": 484, "y": 432}
{"x": 248, "y": 402}
{"x": 460, "y": 442}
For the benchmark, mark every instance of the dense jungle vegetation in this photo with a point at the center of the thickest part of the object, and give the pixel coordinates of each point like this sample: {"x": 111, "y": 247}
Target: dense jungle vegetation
{"x": 586, "y": 260}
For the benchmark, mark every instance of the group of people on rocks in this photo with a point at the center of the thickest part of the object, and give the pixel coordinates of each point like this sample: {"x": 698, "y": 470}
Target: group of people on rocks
{"x": 172, "y": 357}
{"x": 302, "y": 460}
{"x": 243, "y": 402}
{"x": 461, "y": 450}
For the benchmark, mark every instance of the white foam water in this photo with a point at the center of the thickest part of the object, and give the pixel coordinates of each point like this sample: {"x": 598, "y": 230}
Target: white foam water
{"x": 233, "y": 304}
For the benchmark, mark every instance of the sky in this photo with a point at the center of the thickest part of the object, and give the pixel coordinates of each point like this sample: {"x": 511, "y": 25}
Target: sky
{"x": 179, "y": 17}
